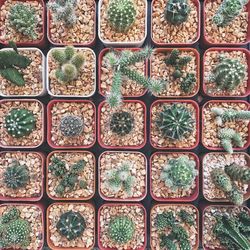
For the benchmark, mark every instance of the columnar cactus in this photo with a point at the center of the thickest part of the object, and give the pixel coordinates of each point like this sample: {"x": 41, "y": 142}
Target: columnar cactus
{"x": 164, "y": 220}
{"x": 175, "y": 122}
{"x": 121, "y": 14}
{"x": 221, "y": 180}
{"x": 235, "y": 196}
{"x": 71, "y": 225}
{"x": 20, "y": 122}
{"x": 238, "y": 173}
{"x": 186, "y": 217}
{"x": 71, "y": 126}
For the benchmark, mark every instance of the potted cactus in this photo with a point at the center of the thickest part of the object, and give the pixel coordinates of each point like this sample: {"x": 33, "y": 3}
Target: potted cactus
{"x": 226, "y": 72}
{"x": 122, "y": 226}
{"x": 225, "y": 125}
{"x": 22, "y": 226}
{"x": 71, "y": 72}
{"x": 21, "y": 123}
{"x": 225, "y": 227}
{"x": 175, "y": 22}
{"x": 174, "y": 176}
{"x": 71, "y": 226}
{"x": 71, "y": 22}
{"x": 226, "y": 22}
{"x": 122, "y": 23}
{"x": 122, "y": 176}
{"x": 174, "y": 124}
{"x": 180, "y": 68}
{"x": 70, "y": 175}
{"x": 71, "y": 124}
{"x": 22, "y": 22}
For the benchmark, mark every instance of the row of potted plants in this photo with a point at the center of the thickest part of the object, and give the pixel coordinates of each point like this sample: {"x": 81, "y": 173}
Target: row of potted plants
{"x": 74, "y": 22}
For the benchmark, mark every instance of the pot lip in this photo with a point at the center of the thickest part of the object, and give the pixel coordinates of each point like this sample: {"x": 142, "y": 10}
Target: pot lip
{"x": 91, "y": 43}
{"x": 130, "y": 204}
{"x": 198, "y": 6}
{"x": 203, "y": 123}
{"x": 225, "y": 44}
{"x": 197, "y": 116}
{"x": 42, "y": 122}
{"x": 180, "y": 199}
{"x": 179, "y": 205}
{"x": 35, "y": 42}
{"x": 123, "y": 147}
{"x": 49, "y": 116}
{"x": 100, "y": 57}
{"x": 126, "y": 43}
{"x": 197, "y": 58}
{"x": 246, "y": 195}
{"x": 132, "y": 199}
{"x": 47, "y": 170}
{"x": 244, "y": 50}
{"x": 48, "y": 78}
{"x": 50, "y": 244}
{"x": 203, "y": 216}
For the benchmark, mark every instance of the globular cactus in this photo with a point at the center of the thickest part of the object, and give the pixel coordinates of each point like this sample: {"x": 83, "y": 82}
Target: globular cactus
{"x": 188, "y": 82}
{"x": 71, "y": 126}
{"x": 121, "y": 123}
{"x": 121, "y": 14}
{"x": 57, "y": 167}
{"x": 20, "y": 122}
{"x": 16, "y": 176}
{"x": 71, "y": 225}
{"x": 78, "y": 167}
{"x": 175, "y": 122}
{"x": 238, "y": 173}
{"x": 186, "y": 217}
{"x": 12, "y": 214}
{"x": 121, "y": 229}
{"x": 63, "y": 11}
{"x": 164, "y": 220}
{"x": 221, "y": 180}
{"x": 235, "y": 196}
{"x": 177, "y": 11}
{"x": 228, "y": 73}
{"x": 23, "y": 19}
{"x": 179, "y": 173}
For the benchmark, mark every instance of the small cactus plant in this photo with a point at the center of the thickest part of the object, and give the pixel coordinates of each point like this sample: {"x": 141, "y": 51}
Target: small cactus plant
{"x": 121, "y": 14}
{"x": 221, "y": 180}
{"x": 177, "y": 11}
{"x": 188, "y": 82}
{"x": 71, "y": 225}
{"x": 23, "y": 19}
{"x": 238, "y": 173}
{"x": 186, "y": 217}
{"x": 57, "y": 167}
{"x": 175, "y": 122}
{"x": 235, "y": 196}
{"x": 20, "y": 122}
{"x": 121, "y": 229}
{"x": 164, "y": 220}
{"x": 71, "y": 126}
{"x": 179, "y": 173}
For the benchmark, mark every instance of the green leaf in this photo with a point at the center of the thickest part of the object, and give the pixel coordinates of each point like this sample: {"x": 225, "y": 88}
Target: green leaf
{"x": 13, "y": 75}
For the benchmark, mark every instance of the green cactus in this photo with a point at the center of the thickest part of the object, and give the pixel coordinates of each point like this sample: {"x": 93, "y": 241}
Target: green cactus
{"x": 12, "y": 214}
{"x": 57, "y": 167}
{"x": 228, "y": 73}
{"x": 175, "y": 122}
{"x": 235, "y": 196}
{"x": 71, "y": 126}
{"x": 23, "y": 18}
{"x": 20, "y": 122}
{"x": 121, "y": 229}
{"x": 238, "y": 173}
{"x": 164, "y": 220}
{"x": 177, "y": 11}
{"x": 188, "y": 82}
{"x": 221, "y": 180}
{"x": 179, "y": 173}
{"x": 16, "y": 176}
{"x": 167, "y": 242}
{"x": 186, "y": 217}
{"x": 121, "y": 14}
{"x": 71, "y": 225}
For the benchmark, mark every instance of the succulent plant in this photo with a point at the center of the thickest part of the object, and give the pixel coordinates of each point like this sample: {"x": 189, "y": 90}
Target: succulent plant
{"x": 16, "y": 176}
{"x": 63, "y": 11}
{"x": 175, "y": 122}
{"x": 177, "y": 11}
{"x": 235, "y": 196}
{"x": 186, "y": 217}
{"x": 12, "y": 214}
{"x": 179, "y": 173}
{"x": 121, "y": 14}
{"x": 23, "y": 19}
{"x": 57, "y": 167}
{"x": 71, "y": 126}
{"x": 121, "y": 229}
{"x": 238, "y": 173}
{"x": 221, "y": 180}
{"x": 188, "y": 82}
{"x": 71, "y": 225}
{"x": 228, "y": 73}
{"x": 20, "y": 122}
{"x": 164, "y": 220}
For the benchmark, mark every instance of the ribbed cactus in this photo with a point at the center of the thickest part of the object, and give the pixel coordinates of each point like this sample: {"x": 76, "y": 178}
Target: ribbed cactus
{"x": 164, "y": 220}
{"x": 12, "y": 214}
{"x": 71, "y": 225}
{"x": 121, "y": 229}
{"x": 71, "y": 126}
{"x": 175, "y": 122}
{"x": 121, "y": 14}
{"x": 20, "y": 122}
{"x": 186, "y": 217}
{"x": 235, "y": 196}
{"x": 57, "y": 167}
{"x": 238, "y": 173}
{"x": 188, "y": 82}
{"x": 179, "y": 173}
{"x": 177, "y": 11}
{"x": 23, "y": 18}
{"x": 228, "y": 73}
{"x": 221, "y": 180}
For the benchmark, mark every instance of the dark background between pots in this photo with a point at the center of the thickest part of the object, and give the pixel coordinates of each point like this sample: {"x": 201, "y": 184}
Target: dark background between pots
{"x": 148, "y": 150}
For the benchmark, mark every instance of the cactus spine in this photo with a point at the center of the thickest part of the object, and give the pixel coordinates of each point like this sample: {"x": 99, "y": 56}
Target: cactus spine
{"x": 71, "y": 126}
{"x": 238, "y": 173}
